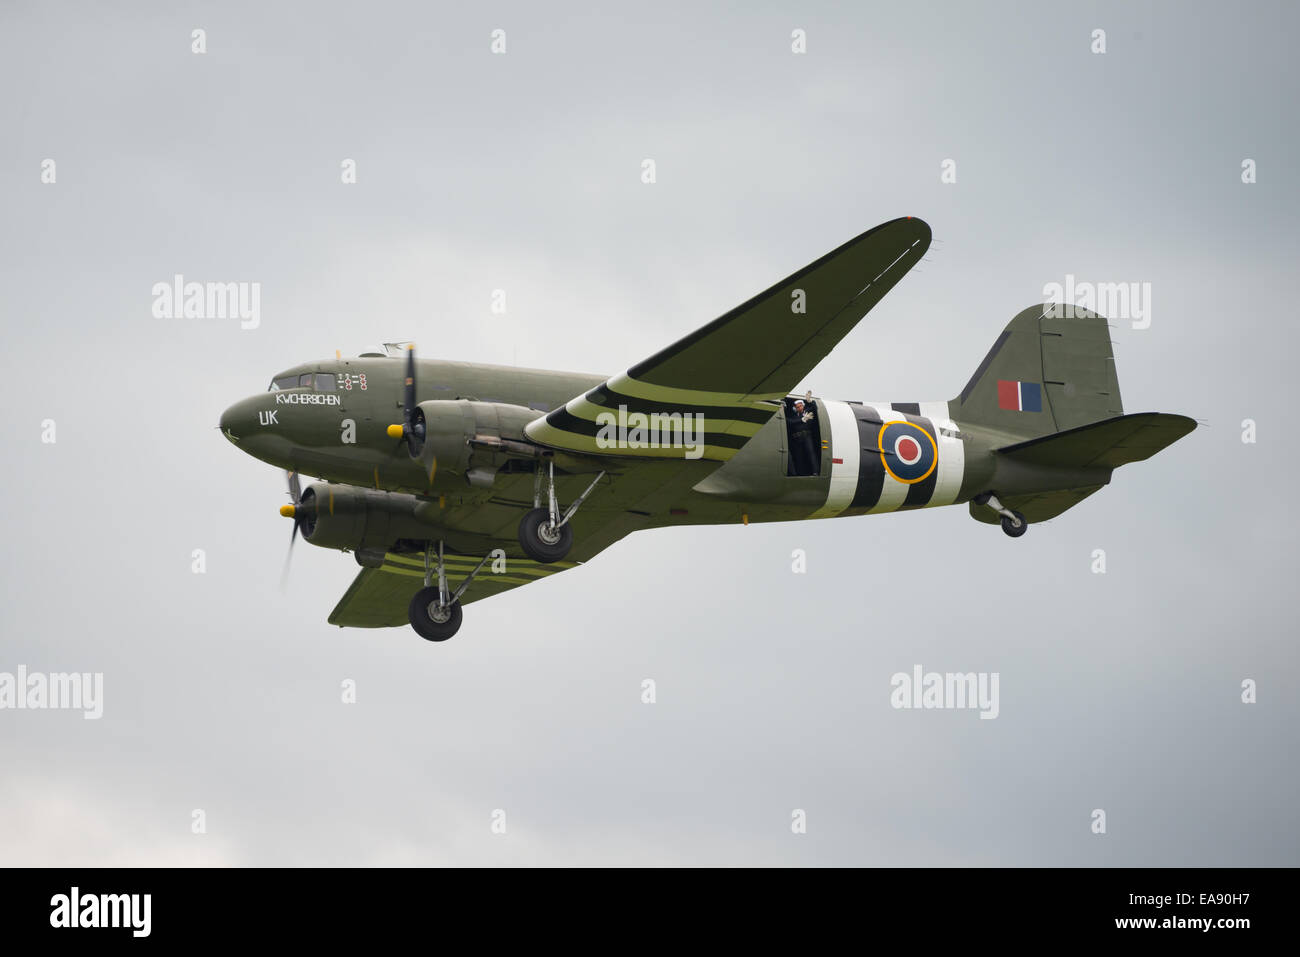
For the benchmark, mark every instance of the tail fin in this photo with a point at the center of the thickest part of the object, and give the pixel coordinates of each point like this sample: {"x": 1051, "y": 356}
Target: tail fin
{"x": 1044, "y": 374}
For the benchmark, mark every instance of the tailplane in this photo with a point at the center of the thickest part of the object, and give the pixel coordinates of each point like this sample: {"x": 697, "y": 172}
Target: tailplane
{"x": 1107, "y": 444}
{"x": 1091, "y": 452}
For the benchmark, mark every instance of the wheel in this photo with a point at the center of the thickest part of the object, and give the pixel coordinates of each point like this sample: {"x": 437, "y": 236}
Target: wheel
{"x": 1015, "y": 527}
{"x": 431, "y": 622}
{"x": 539, "y": 541}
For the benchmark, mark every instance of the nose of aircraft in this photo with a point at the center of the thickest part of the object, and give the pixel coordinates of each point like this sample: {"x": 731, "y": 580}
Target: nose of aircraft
{"x": 238, "y": 421}
{"x": 254, "y": 427}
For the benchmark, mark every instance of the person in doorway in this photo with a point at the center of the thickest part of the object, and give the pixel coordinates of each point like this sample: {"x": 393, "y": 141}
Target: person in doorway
{"x": 802, "y": 455}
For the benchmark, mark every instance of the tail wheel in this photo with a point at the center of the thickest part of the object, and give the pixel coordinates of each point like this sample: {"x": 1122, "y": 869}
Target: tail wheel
{"x": 431, "y": 619}
{"x": 1014, "y": 524}
{"x": 540, "y": 541}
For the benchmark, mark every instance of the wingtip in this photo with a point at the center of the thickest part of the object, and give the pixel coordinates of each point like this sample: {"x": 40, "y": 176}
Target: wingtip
{"x": 918, "y": 224}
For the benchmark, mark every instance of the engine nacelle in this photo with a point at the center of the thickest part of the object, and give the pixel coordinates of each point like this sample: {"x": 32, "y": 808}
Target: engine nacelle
{"x": 450, "y": 425}
{"x": 353, "y": 518}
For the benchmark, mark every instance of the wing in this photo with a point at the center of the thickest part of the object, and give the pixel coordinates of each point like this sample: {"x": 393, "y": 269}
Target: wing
{"x": 643, "y": 498}
{"x": 726, "y": 379}
{"x": 378, "y": 597}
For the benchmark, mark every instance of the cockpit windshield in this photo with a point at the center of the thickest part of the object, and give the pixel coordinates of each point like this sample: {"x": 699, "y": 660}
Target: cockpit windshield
{"x": 320, "y": 381}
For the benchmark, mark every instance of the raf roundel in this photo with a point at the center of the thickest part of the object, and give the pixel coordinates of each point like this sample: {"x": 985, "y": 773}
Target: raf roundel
{"x": 907, "y": 451}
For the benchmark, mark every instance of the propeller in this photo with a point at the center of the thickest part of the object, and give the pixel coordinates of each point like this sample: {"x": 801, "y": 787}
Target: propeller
{"x": 410, "y": 429}
{"x": 293, "y": 512}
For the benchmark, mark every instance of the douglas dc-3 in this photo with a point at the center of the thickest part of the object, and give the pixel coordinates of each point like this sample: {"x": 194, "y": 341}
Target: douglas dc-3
{"x": 450, "y": 482}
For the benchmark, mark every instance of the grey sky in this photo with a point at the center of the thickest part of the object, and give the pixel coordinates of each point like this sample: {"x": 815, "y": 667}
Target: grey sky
{"x": 521, "y": 172}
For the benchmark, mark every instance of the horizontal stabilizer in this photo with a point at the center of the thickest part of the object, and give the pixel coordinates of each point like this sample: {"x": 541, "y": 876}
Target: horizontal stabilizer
{"x": 1108, "y": 444}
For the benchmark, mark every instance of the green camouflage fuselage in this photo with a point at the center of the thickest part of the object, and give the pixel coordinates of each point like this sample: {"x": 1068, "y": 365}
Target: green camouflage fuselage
{"x": 339, "y": 435}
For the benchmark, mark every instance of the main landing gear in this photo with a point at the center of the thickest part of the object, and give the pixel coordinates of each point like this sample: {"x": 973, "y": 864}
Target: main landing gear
{"x": 544, "y": 534}
{"x": 434, "y": 611}
{"x": 1013, "y": 523}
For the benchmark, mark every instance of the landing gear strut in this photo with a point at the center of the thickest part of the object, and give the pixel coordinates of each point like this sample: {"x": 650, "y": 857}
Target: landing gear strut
{"x": 1013, "y": 523}
{"x": 434, "y": 611}
{"x": 544, "y": 534}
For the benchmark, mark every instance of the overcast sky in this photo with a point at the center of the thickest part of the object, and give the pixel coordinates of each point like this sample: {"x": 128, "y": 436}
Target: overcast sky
{"x": 1118, "y": 691}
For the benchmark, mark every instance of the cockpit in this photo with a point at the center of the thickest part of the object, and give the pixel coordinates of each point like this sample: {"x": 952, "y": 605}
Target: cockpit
{"x": 316, "y": 381}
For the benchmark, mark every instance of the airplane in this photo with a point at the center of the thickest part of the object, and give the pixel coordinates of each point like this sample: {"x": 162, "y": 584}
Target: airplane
{"x": 450, "y": 482}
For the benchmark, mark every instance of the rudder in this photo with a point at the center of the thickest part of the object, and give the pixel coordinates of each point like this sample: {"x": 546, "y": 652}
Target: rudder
{"x": 1045, "y": 374}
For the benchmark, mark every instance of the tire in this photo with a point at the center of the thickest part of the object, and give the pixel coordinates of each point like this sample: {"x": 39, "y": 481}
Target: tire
{"x": 1013, "y": 529}
{"x": 422, "y": 617}
{"x": 537, "y": 543}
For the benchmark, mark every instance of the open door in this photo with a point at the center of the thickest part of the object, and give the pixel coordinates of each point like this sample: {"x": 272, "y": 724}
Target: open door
{"x": 803, "y": 436}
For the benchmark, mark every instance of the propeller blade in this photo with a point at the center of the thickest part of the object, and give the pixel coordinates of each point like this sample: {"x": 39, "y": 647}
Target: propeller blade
{"x": 295, "y": 493}
{"x": 408, "y": 399}
{"x": 284, "y": 572}
{"x": 410, "y": 431}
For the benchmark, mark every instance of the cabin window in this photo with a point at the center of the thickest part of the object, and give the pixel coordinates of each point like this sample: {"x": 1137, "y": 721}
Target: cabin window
{"x": 325, "y": 382}
{"x": 284, "y": 382}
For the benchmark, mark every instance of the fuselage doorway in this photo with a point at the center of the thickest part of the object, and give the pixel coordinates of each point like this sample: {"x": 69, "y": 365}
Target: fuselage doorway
{"x": 803, "y": 436}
